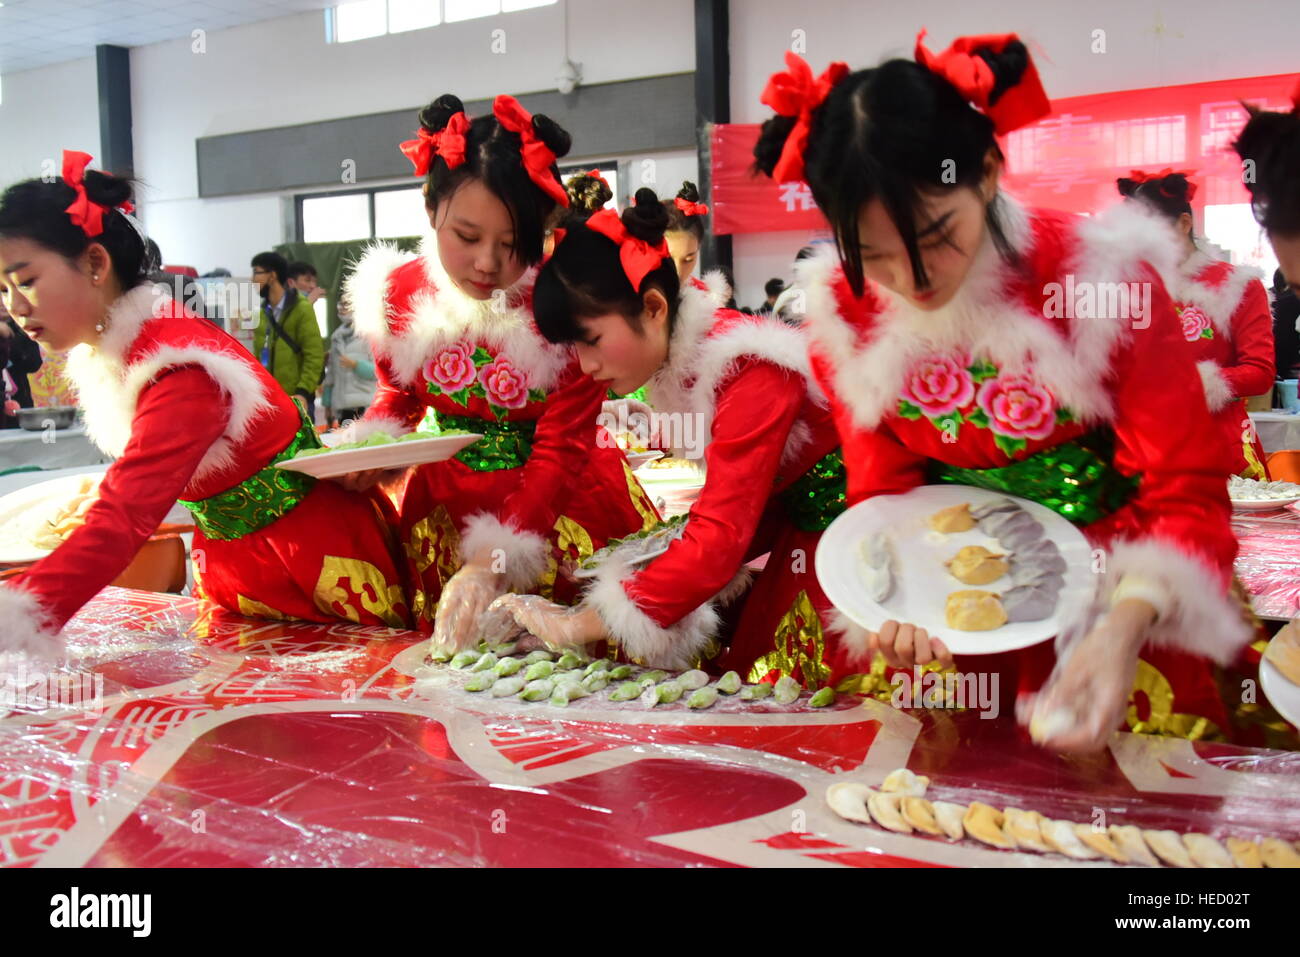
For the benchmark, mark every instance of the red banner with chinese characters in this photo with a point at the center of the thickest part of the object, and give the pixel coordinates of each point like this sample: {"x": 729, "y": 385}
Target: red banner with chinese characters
{"x": 1069, "y": 160}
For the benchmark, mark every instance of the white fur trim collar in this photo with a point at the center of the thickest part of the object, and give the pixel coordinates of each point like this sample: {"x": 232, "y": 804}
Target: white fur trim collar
{"x": 1217, "y": 302}
{"x": 25, "y": 629}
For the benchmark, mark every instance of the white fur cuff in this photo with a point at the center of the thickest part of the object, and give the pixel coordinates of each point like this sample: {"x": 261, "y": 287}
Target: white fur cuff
{"x": 364, "y": 428}
{"x": 1217, "y": 391}
{"x": 520, "y": 556}
{"x": 1201, "y": 617}
{"x": 851, "y": 635}
{"x": 25, "y": 627}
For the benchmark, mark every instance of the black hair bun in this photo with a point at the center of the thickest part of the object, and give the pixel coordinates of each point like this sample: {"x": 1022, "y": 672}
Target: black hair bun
{"x": 1008, "y": 67}
{"x": 1127, "y": 187}
{"x": 556, "y": 137}
{"x": 105, "y": 189}
{"x": 689, "y": 192}
{"x": 771, "y": 141}
{"x": 587, "y": 193}
{"x": 647, "y": 219}
{"x": 438, "y": 114}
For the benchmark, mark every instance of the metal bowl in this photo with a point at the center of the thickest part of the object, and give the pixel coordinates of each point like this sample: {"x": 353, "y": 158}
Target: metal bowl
{"x": 60, "y": 416}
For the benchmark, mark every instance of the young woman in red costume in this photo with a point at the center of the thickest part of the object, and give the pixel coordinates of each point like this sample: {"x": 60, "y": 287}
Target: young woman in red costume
{"x": 774, "y": 475}
{"x": 452, "y": 331}
{"x": 1224, "y": 314}
{"x": 685, "y": 232}
{"x": 188, "y": 414}
{"x": 940, "y": 335}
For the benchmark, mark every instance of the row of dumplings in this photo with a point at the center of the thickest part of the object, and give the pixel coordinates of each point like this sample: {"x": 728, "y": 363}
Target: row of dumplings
{"x": 900, "y": 805}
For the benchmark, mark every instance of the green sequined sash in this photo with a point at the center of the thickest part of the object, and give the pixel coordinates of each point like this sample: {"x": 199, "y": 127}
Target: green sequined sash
{"x": 817, "y": 497}
{"x": 505, "y": 445}
{"x": 261, "y": 498}
{"x": 1075, "y": 480}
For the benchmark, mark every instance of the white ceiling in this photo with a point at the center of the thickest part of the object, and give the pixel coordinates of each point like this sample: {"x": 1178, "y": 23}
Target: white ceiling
{"x": 38, "y": 32}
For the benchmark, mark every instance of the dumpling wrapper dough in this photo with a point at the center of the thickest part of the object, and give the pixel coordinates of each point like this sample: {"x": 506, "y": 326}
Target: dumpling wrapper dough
{"x": 918, "y": 813}
{"x": 985, "y": 509}
{"x": 954, "y": 518}
{"x": 976, "y": 565}
{"x": 848, "y": 799}
{"x": 974, "y": 610}
{"x": 1061, "y": 837}
{"x": 1128, "y": 838}
{"x": 903, "y": 781}
{"x": 1023, "y": 827}
{"x": 885, "y": 808}
{"x": 984, "y": 823}
{"x": 1028, "y": 603}
{"x": 1244, "y": 853}
{"x": 1278, "y": 853}
{"x": 1001, "y": 524}
{"x": 1206, "y": 851}
{"x": 1169, "y": 847}
{"x": 1100, "y": 842}
{"x": 949, "y": 817}
{"x": 1019, "y": 535}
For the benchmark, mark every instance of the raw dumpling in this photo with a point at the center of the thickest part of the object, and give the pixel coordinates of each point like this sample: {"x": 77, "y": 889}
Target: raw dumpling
{"x": 1128, "y": 839}
{"x": 886, "y": 809}
{"x": 993, "y": 506}
{"x": 1000, "y": 523}
{"x": 1061, "y": 837}
{"x": 1278, "y": 853}
{"x": 1284, "y": 653}
{"x": 1022, "y": 828}
{"x": 1021, "y": 534}
{"x": 878, "y": 560}
{"x": 1169, "y": 847}
{"x": 954, "y": 518}
{"x": 1099, "y": 841}
{"x": 984, "y": 823}
{"x": 976, "y": 565}
{"x": 1026, "y": 570}
{"x": 949, "y": 817}
{"x": 879, "y": 582}
{"x": 1245, "y": 853}
{"x": 1206, "y": 851}
{"x": 1025, "y": 574}
{"x": 974, "y": 610}
{"x": 848, "y": 799}
{"x": 918, "y": 813}
{"x": 904, "y": 781}
{"x": 1028, "y": 603}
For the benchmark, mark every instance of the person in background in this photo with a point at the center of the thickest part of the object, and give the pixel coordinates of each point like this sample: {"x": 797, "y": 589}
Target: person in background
{"x": 182, "y": 289}
{"x": 302, "y": 276}
{"x": 772, "y": 289}
{"x": 19, "y": 357}
{"x": 287, "y": 341}
{"x": 1286, "y": 326}
{"x": 350, "y": 379}
{"x": 789, "y": 305}
{"x": 686, "y": 231}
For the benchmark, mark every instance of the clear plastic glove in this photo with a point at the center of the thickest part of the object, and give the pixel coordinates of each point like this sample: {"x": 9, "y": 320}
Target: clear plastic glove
{"x": 464, "y": 600}
{"x": 558, "y": 626}
{"x": 906, "y": 645}
{"x": 1087, "y": 695}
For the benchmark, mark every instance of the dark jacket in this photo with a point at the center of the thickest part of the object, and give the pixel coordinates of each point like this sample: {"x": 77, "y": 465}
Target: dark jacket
{"x": 1286, "y": 340}
{"x": 21, "y": 356}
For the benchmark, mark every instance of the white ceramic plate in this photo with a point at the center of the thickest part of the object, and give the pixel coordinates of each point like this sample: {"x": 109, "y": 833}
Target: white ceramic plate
{"x": 396, "y": 455}
{"x": 1281, "y": 693}
{"x": 24, "y": 512}
{"x": 637, "y": 459}
{"x": 584, "y": 573}
{"x": 922, "y": 583}
{"x": 1262, "y": 505}
{"x": 679, "y": 474}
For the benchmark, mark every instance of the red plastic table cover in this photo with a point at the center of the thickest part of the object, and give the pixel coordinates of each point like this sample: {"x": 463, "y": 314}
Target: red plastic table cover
{"x": 202, "y": 738}
{"x": 1268, "y": 561}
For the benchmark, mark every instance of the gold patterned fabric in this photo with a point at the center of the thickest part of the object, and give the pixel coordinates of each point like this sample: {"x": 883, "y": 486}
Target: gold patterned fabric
{"x": 800, "y": 647}
{"x": 365, "y": 582}
{"x": 1161, "y": 717}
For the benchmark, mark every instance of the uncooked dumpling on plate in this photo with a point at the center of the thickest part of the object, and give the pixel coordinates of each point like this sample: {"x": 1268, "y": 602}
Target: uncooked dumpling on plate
{"x": 976, "y": 565}
{"x": 1169, "y": 847}
{"x": 1024, "y": 574}
{"x": 1028, "y": 603}
{"x": 848, "y": 799}
{"x": 954, "y": 518}
{"x": 905, "y": 781}
{"x": 1207, "y": 852}
{"x": 974, "y": 610}
{"x": 1128, "y": 838}
{"x": 992, "y": 506}
{"x": 878, "y": 561}
{"x": 1013, "y": 529}
{"x": 1284, "y": 654}
{"x": 984, "y": 823}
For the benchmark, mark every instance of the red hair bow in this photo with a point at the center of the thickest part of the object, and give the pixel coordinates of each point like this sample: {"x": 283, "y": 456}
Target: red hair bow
{"x": 961, "y": 66}
{"x": 794, "y": 92}
{"x": 597, "y": 174}
{"x": 538, "y": 158}
{"x": 691, "y": 209}
{"x": 449, "y": 143}
{"x": 637, "y": 256}
{"x": 1138, "y": 176}
{"x": 84, "y": 211}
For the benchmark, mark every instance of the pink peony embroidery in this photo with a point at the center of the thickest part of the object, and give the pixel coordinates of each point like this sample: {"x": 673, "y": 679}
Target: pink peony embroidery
{"x": 1195, "y": 323}
{"x": 505, "y": 386}
{"x": 452, "y": 369}
{"x": 1017, "y": 407}
{"x": 939, "y": 386}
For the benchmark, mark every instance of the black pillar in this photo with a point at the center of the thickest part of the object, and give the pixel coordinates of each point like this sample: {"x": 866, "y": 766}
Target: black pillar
{"x": 712, "y": 105}
{"x": 116, "y": 147}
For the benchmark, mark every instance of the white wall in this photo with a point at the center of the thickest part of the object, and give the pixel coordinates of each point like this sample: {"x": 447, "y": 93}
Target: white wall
{"x": 282, "y": 72}
{"x": 1148, "y": 42}
{"x": 45, "y": 111}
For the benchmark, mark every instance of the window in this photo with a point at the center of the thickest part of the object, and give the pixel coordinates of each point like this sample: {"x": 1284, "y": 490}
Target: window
{"x": 362, "y": 19}
{"x": 384, "y": 212}
{"x": 607, "y": 170}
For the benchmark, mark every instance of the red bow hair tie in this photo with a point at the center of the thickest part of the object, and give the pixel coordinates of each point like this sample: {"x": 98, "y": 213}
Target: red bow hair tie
{"x": 691, "y": 209}
{"x": 794, "y": 92}
{"x": 637, "y": 256}
{"x": 449, "y": 143}
{"x": 537, "y": 156}
{"x": 84, "y": 211}
{"x": 597, "y": 174}
{"x": 1139, "y": 177}
{"x": 962, "y": 66}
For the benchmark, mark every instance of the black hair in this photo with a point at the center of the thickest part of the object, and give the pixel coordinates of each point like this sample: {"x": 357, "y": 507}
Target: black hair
{"x": 272, "y": 262}
{"x": 679, "y": 222}
{"x": 300, "y": 268}
{"x": 1270, "y": 143}
{"x": 805, "y": 252}
{"x": 492, "y": 155}
{"x": 587, "y": 193}
{"x": 584, "y": 276}
{"x": 37, "y": 210}
{"x": 773, "y": 287}
{"x": 897, "y": 133}
{"x": 1167, "y": 195}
